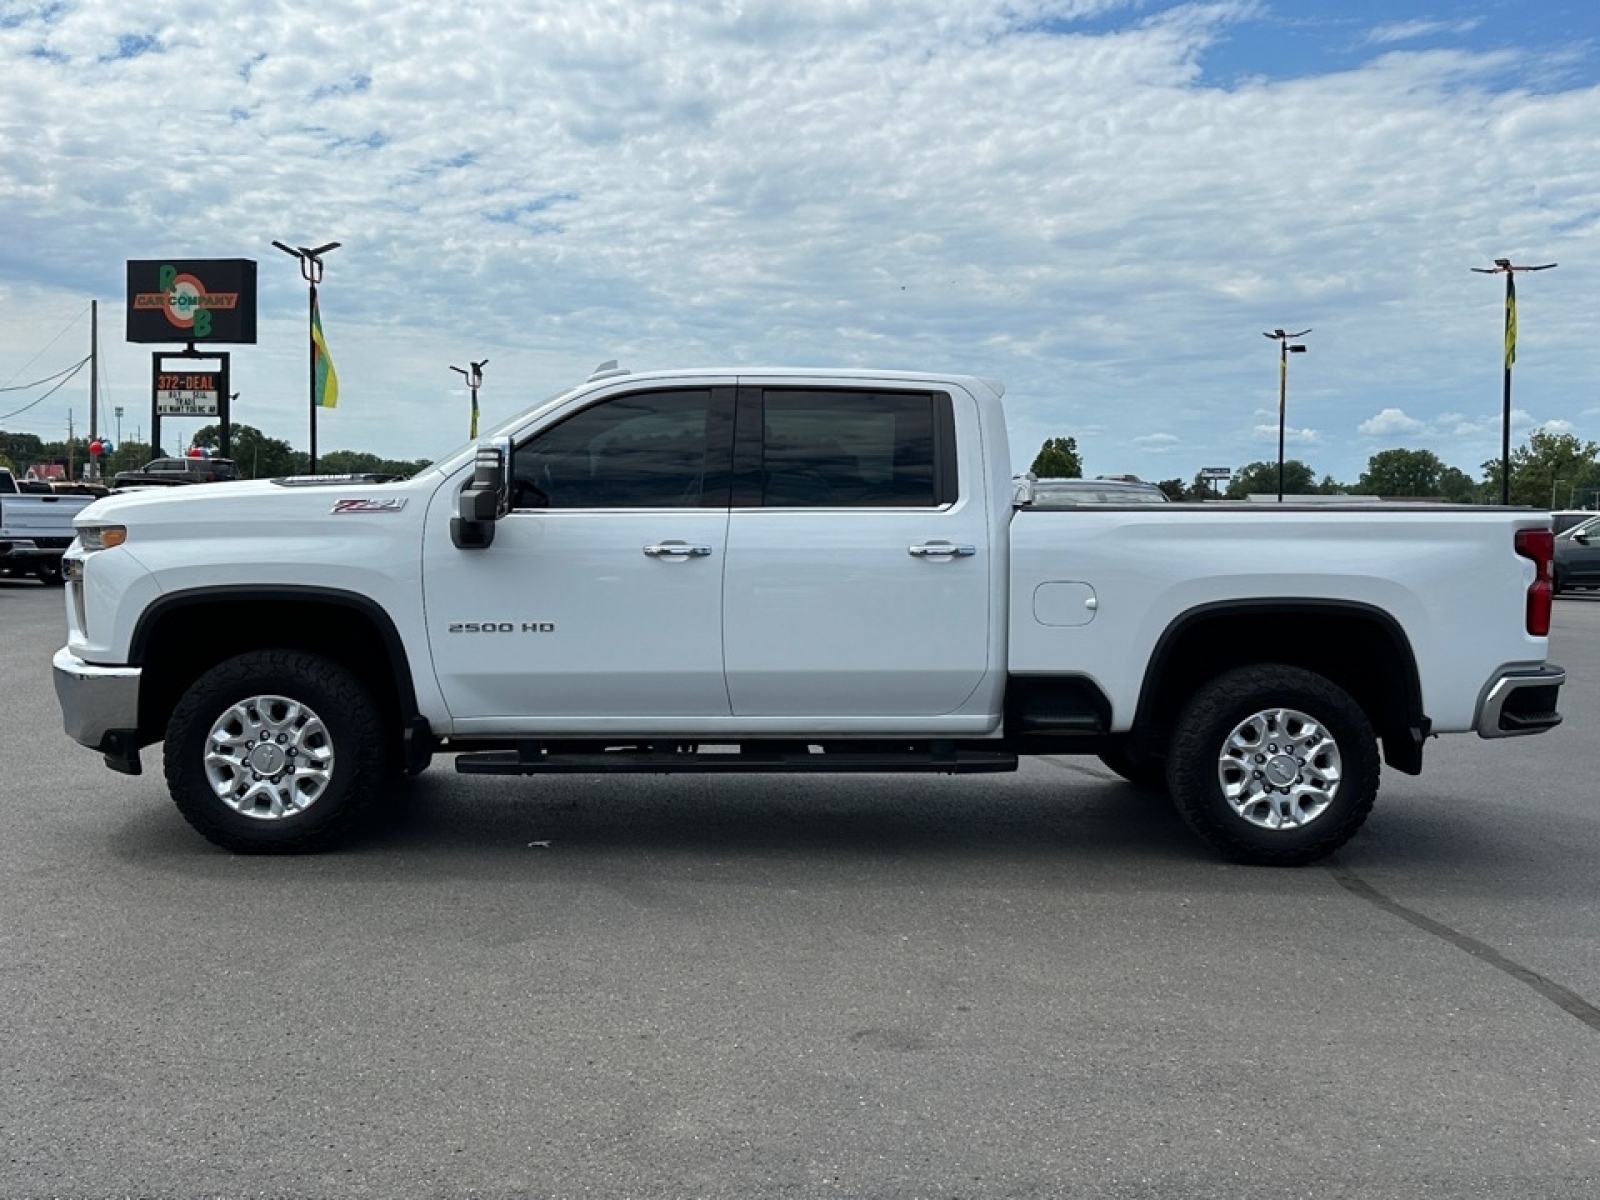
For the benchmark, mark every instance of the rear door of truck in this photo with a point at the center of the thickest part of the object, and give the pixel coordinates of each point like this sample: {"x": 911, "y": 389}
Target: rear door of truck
{"x": 857, "y": 581}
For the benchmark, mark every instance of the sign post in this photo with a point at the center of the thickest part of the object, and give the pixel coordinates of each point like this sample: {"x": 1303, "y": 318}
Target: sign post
{"x": 1216, "y": 476}
{"x": 186, "y": 384}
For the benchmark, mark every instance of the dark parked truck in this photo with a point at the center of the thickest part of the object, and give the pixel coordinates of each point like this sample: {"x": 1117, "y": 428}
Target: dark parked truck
{"x": 164, "y": 472}
{"x": 788, "y": 570}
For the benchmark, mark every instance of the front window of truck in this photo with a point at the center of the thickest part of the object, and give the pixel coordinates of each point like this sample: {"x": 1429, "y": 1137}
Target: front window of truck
{"x": 464, "y": 452}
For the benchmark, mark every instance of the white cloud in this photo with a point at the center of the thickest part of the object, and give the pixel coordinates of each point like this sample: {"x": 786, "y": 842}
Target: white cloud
{"x": 1291, "y": 435}
{"x": 986, "y": 186}
{"x": 1405, "y": 31}
{"x": 1389, "y": 422}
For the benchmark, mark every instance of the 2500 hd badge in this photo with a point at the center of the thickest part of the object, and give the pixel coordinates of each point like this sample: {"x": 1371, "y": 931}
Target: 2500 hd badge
{"x": 502, "y": 627}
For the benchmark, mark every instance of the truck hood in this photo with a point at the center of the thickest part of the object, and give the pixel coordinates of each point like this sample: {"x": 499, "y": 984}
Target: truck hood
{"x": 256, "y": 501}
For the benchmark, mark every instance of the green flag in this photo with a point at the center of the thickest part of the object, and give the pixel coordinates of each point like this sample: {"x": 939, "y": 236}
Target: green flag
{"x": 327, "y": 378}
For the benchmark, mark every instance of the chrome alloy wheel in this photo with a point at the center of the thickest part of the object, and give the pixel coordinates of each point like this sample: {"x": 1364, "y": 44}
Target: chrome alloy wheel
{"x": 269, "y": 757}
{"x": 1279, "y": 769}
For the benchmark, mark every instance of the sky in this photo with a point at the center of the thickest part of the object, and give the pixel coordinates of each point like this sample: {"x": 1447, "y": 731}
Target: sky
{"x": 1101, "y": 203}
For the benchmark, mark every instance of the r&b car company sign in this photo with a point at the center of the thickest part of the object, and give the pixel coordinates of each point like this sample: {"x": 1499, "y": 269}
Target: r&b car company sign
{"x": 192, "y": 300}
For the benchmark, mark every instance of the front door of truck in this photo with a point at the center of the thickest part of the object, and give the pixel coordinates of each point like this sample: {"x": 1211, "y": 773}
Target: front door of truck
{"x": 858, "y": 574}
{"x": 601, "y": 595}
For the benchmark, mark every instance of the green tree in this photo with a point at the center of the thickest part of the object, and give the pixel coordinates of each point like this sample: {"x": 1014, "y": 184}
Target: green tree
{"x": 1261, "y": 479}
{"x": 258, "y": 456}
{"x": 1058, "y": 459}
{"x": 21, "y": 448}
{"x": 1456, "y": 486}
{"x": 354, "y": 462}
{"x": 1402, "y": 473}
{"x": 129, "y": 456}
{"x": 1547, "y": 470}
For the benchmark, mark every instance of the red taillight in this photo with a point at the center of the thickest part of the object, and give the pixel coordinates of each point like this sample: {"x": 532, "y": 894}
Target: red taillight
{"x": 1540, "y": 546}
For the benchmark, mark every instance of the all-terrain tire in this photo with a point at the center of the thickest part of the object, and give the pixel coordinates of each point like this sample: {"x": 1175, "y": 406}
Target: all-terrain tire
{"x": 276, "y": 752}
{"x": 1273, "y": 765}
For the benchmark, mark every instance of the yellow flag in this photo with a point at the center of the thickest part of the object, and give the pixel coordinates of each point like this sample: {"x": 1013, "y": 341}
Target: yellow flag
{"x": 1511, "y": 319}
{"x": 327, "y": 378}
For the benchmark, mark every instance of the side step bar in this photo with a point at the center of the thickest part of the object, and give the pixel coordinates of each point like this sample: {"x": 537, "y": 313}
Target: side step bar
{"x": 533, "y": 758}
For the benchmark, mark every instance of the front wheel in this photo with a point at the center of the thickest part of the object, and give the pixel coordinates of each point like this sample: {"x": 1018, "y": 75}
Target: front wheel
{"x": 275, "y": 752}
{"x": 1273, "y": 765}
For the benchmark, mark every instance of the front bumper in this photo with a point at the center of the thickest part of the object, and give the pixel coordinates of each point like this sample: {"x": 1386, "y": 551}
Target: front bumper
{"x": 99, "y": 707}
{"x": 1521, "y": 701}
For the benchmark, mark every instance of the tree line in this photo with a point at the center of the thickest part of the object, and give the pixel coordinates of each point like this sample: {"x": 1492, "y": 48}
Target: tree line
{"x": 256, "y": 455}
{"x": 1550, "y": 470}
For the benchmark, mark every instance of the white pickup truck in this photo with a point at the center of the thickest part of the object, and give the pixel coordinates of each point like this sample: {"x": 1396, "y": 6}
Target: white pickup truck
{"x": 787, "y": 571}
{"x": 35, "y": 530}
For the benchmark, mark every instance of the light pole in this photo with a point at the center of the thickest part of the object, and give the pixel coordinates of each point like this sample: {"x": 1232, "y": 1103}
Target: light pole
{"x": 311, "y": 271}
{"x": 1502, "y": 266}
{"x": 474, "y": 380}
{"x": 1286, "y": 347}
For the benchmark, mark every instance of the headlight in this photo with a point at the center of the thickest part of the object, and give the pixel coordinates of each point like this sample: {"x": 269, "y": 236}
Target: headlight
{"x": 101, "y": 537}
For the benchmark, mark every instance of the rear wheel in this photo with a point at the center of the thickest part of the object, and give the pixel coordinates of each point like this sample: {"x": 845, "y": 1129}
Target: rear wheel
{"x": 1273, "y": 765}
{"x": 275, "y": 751}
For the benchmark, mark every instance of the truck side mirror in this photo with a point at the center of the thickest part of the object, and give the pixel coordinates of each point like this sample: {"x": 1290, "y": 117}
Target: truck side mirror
{"x": 485, "y": 499}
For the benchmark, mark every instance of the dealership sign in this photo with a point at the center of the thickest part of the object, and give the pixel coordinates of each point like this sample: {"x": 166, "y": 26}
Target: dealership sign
{"x": 192, "y": 300}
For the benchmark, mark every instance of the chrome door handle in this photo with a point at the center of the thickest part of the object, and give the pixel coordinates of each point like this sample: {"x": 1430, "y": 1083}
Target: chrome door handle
{"x": 941, "y": 550}
{"x": 677, "y": 550}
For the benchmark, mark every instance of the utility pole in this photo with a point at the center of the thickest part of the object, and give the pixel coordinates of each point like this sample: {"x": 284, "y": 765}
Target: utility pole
{"x": 94, "y": 385}
{"x": 311, "y": 271}
{"x": 1285, "y": 348}
{"x": 474, "y": 380}
{"x": 1502, "y": 266}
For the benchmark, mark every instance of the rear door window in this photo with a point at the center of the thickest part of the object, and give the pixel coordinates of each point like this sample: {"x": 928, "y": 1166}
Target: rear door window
{"x": 815, "y": 448}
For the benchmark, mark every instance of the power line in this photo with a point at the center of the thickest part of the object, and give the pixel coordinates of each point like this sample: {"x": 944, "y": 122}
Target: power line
{"x": 50, "y": 343}
{"x": 22, "y": 387}
{"x": 14, "y": 412}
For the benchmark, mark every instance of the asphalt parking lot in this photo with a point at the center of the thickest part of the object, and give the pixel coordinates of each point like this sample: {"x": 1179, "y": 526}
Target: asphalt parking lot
{"x": 1037, "y": 985}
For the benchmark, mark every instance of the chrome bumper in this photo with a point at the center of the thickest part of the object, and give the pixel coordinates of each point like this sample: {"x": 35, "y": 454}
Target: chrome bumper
{"x": 95, "y": 700}
{"x": 1520, "y": 702}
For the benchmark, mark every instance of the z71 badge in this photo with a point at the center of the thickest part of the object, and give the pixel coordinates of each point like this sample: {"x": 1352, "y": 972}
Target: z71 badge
{"x": 369, "y": 506}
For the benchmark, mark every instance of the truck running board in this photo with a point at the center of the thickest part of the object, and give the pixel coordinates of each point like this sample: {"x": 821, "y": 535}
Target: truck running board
{"x": 535, "y": 758}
